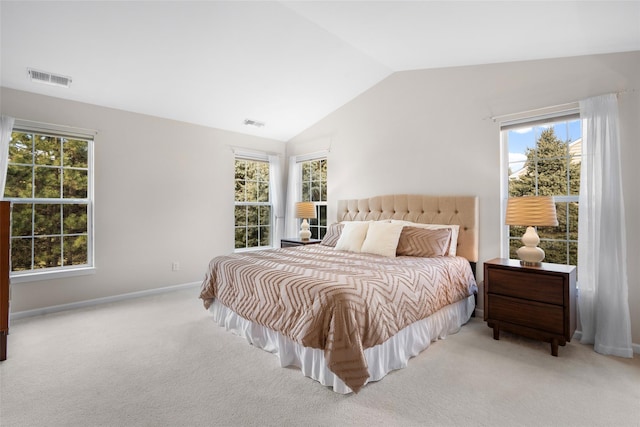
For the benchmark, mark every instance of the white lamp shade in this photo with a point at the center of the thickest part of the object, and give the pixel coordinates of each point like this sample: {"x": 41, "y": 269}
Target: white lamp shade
{"x": 531, "y": 211}
{"x": 305, "y": 210}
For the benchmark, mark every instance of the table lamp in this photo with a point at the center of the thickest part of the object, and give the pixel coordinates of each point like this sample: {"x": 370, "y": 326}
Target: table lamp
{"x": 305, "y": 210}
{"x": 531, "y": 211}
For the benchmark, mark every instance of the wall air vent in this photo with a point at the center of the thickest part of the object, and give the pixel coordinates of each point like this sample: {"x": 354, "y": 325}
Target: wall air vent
{"x": 249, "y": 122}
{"x": 49, "y": 78}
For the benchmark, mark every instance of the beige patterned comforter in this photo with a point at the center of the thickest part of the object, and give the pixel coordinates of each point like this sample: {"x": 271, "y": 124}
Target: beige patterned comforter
{"x": 338, "y": 301}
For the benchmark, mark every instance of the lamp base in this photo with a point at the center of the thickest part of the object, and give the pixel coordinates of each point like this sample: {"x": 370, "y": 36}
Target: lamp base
{"x": 530, "y": 255}
{"x": 305, "y": 234}
{"x": 530, "y": 264}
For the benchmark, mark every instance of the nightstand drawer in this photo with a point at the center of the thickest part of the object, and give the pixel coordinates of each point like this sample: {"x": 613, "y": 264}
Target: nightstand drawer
{"x": 541, "y": 316}
{"x": 520, "y": 284}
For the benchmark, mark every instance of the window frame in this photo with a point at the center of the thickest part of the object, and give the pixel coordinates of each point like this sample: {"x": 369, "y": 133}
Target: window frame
{"x": 59, "y": 131}
{"x": 255, "y": 157}
{"x": 565, "y": 115}
{"x": 314, "y": 223}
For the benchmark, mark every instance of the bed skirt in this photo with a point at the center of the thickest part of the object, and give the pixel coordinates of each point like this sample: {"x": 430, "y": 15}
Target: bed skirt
{"x": 391, "y": 355}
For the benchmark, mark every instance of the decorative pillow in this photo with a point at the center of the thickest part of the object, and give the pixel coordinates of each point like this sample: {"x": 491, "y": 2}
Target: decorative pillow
{"x": 382, "y": 239}
{"x": 353, "y": 234}
{"x": 333, "y": 234}
{"x": 455, "y": 229}
{"x": 423, "y": 242}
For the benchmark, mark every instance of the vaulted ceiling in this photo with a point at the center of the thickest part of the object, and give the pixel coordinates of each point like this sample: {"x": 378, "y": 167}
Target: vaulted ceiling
{"x": 284, "y": 63}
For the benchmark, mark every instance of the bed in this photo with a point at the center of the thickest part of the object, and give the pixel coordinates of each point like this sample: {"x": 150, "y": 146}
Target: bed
{"x": 347, "y": 316}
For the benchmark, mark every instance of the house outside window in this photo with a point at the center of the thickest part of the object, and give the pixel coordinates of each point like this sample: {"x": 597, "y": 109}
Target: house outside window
{"x": 253, "y": 208}
{"x": 50, "y": 185}
{"x": 544, "y": 156}
{"x": 314, "y": 189}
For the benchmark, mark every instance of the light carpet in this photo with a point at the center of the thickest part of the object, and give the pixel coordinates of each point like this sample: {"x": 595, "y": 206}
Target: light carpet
{"x": 161, "y": 361}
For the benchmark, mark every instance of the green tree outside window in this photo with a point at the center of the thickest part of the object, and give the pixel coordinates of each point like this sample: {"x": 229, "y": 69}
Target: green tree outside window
{"x": 551, "y": 168}
{"x": 48, "y": 185}
{"x": 314, "y": 189}
{"x": 252, "y": 204}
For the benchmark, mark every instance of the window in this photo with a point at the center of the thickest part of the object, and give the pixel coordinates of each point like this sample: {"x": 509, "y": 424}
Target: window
{"x": 49, "y": 182}
{"x": 314, "y": 189}
{"x": 544, "y": 159}
{"x": 253, "y": 209}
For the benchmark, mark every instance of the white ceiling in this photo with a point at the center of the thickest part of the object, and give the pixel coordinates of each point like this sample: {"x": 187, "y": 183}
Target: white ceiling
{"x": 285, "y": 63}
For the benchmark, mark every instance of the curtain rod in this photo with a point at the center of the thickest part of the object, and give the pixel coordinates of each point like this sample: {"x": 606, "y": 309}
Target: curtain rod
{"x": 54, "y": 126}
{"x": 554, "y": 108}
{"x": 249, "y": 151}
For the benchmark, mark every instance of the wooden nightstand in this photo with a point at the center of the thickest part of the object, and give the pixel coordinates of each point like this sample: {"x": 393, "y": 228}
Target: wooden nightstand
{"x": 295, "y": 241}
{"x": 537, "y": 302}
{"x": 5, "y": 268}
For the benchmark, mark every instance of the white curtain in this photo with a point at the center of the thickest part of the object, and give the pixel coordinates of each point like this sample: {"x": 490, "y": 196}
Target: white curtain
{"x": 277, "y": 199}
{"x": 602, "y": 255}
{"x": 292, "y": 228}
{"x": 6, "y": 125}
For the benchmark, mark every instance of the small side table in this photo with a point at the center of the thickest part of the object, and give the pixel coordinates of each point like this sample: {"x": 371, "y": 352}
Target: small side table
{"x": 538, "y": 302}
{"x": 289, "y": 242}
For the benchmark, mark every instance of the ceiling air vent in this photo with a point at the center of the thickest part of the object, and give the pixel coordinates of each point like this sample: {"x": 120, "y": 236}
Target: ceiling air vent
{"x": 49, "y": 78}
{"x": 249, "y": 122}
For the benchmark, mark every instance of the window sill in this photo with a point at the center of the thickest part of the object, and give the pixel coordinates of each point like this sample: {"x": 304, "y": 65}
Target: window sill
{"x": 50, "y": 275}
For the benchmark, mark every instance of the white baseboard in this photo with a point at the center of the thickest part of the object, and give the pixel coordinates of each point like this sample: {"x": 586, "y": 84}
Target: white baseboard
{"x": 97, "y": 301}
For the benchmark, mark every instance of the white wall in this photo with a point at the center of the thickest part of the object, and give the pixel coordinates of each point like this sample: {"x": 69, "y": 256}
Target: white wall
{"x": 164, "y": 189}
{"x": 163, "y": 193}
{"x": 429, "y": 132}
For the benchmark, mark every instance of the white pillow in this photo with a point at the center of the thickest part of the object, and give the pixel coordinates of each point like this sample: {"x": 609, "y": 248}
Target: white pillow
{"x": 382, "y": 239}
{"x": 353, "y": 234}
{"x": 455, "y": 230}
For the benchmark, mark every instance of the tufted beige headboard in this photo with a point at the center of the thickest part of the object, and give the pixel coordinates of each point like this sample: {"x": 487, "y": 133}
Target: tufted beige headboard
{"x": 461, "y": 210}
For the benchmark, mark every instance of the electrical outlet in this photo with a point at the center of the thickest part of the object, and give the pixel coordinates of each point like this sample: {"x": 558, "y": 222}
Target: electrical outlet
{"x": 175, "y": 266}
